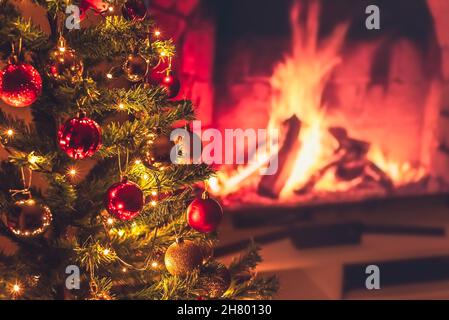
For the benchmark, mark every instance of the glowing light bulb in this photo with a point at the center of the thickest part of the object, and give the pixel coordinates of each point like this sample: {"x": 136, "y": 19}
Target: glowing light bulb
{"x": 15, "y": 289}
{"x": 157, "y": 33}
{"x": 124, "y": 269}
{"x": 109, "y": 75}
{"x": 72, "y": 172}
{"x": 10, "y": 132}
{"x": 153, "y": 203}
{"x": 121, "y": 106}
{"x": 153, "y": 193}
{"x": 154, "y": 264}
{"x": 146, "y": 177}
{"x": 163, "y": 54}
{"x": 32, "y": 159}
{"x": 110, "y": 221}
{"x": 106, "y": 252}
{"x": 121, "y": 233}
{"x": 138, "y": 161}
{"x": 111, "y": 9}
{"x": 62, "y": 49}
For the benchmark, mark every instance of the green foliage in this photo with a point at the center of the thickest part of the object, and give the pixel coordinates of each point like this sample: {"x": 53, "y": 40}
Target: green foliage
{"x": 82, "y": 232}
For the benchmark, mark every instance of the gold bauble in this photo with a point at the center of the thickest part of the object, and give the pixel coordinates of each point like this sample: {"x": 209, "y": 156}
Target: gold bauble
{"x": 27, "y": 218}
{"x": 63, "y": 65}
{"x": 183, "y": 257}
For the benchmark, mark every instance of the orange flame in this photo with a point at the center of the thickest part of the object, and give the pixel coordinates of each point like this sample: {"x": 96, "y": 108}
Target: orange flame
{"x": 298, "y": 84}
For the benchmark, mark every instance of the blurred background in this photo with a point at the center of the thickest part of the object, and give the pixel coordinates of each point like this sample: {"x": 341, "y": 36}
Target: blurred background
{"x": 364, "y": 146}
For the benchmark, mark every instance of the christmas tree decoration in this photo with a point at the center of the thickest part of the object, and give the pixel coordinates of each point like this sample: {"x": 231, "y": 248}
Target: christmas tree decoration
{"x": 204, "y": 214}
{"x": 172, "y": 85}
{"x": 63, "y": 66}
{"x": 80, "y": 137}
{"x": 135, "y": 67}
{"x": 129, "y": 237}
{"x": 98, "y": 6}
{"x": 214, "y": 280}
{"x": 183, "y": 257}
{"x": 158, "y": 72}
{"x": 20, "y": 84}
{"x": 134, "y": 10}
{"x": 28, "y": 218}
{"x": 124, "y": 200}
{"x": 158, "y": 151}
{"x": 208, "y": 251}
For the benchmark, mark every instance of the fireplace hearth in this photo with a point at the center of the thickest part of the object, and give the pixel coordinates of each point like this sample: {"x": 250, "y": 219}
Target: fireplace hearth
{"x": 362, "y": 113}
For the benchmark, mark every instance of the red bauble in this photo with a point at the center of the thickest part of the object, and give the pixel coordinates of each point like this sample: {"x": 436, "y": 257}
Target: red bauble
{"x": 20, "y": 84}
{"x": 99, "y": 6}
{"x": 80, "y": 137}
{"x": 204, "y": 214}
{"x": 134, "y": 10}
{"x": 158, "y": 72}
{"x": 124, "y": 200}
{"x": 172, "y": 84}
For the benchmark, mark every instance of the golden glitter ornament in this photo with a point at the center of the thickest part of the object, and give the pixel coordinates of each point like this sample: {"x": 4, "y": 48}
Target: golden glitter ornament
{"x": 183, "y": 257}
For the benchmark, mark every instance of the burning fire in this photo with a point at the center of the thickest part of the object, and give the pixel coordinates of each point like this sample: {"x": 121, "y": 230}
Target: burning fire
{"x": 298, "y": 83}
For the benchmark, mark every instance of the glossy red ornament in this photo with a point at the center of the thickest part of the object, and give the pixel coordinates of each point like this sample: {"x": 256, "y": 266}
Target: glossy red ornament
{"x": 172, "y": 84}
{"x": 98, "y": 6}
{"x": 134, "y": 10}
{"x": 80, "y": 137}
{"x": 158, "y": 72}
{"x": 124, "y": 200}
{"x": 20, "y": 84}
{"x": 204, "y": 214}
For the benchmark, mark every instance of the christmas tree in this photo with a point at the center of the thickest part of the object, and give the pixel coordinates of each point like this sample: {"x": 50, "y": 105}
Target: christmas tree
{"x": 109, "y": 204}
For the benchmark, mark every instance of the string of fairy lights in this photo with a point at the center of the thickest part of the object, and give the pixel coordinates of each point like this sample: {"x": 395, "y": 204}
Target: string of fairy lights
{"x": 16, "y": 287}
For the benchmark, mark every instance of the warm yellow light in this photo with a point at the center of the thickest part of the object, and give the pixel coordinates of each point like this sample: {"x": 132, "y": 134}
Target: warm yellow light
{"x": 153, "y": 203}
{"x": 138, "y": 161}
{"x": 146, "y": 177}
{"x": 15, "y": 289}
{"x": 106, "y": 252}
{"x": 110, "y": 221}
{"x": 163, "y": 54}
{"x": 109, "y": 75}
{"x": 153, "y": 193}
{"x": 157, "y": 33}
{"x": 62, "y": 49}
{"x": 111, "y": 9}
{"x": 121, "y": 233}
{"x": 32, "y": 159}
{"x": 124, "y": 269}
{"x": 154, "y": 264}
{"x": 72, "y": 172}
{"x": 10, "y": 132}
{"x": 121, "y": 106}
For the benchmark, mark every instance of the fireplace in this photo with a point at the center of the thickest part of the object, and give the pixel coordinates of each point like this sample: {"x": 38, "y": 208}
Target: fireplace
{"x": 361, "y": 112}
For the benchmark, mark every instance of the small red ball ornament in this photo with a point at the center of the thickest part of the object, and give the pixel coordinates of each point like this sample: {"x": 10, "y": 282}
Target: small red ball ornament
{"x": 80, "y": 137}
{"x": 172, "y": 84}
{"x": 204, "y": 214}
{"x": 134, "y": 10}
{"x": 124, "y": 200}
{"x": 20, "y": 84}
